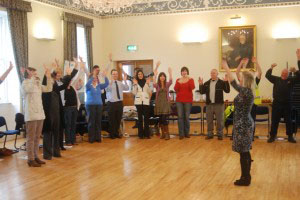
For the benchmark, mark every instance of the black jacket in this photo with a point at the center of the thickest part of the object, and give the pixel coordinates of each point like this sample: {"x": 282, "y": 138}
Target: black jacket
{"x": 52, "y": 103}
{"x": 220, "y": 87}
{"x": 282, "y": 88}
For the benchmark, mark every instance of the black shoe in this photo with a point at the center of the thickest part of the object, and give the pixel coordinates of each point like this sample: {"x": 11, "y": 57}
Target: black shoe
{"x": 209, "y": 137}
{"x": 220, "y": 137}
{"x": 118, "y": 136}
{"x": 112, "y": 137}
{"x": 99, "y": 141}
{"x": 47, "y": 158}
{"x": 244, "y": 181}
{"x": 187, "y": 136}
{"x": 135, "y": 126}
{"x": 57, "y": 155}
{"x": 291, "y": 139}
{"x": 181, "y": 137}
{"x": 271, "y": 139}
{"x": 63, "y": 148}
{"x": 147, "y": 137}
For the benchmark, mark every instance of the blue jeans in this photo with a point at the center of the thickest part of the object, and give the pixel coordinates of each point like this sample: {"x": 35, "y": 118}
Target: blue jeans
{"x": 95, "y": 117}
{"x": 183, "y": 110}
{"x": 70, "y": 114}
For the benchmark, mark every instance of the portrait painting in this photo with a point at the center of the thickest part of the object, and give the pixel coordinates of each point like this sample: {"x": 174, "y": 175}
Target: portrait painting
{"x": 237, "y": 43}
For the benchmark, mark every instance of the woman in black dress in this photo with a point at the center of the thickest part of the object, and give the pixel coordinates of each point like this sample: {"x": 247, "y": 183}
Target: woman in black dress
{"x": 242, "y": 122}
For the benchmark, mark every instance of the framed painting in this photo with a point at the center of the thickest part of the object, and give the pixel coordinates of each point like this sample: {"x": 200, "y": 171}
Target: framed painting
{"x": 237, "y": 43}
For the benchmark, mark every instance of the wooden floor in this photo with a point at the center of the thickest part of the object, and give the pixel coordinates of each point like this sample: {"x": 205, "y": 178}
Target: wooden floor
{"x": 129, "y": 168}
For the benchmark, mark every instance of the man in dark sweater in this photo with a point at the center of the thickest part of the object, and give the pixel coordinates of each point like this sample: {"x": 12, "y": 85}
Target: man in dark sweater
{"x": 282, "y": 87}
{"x": 213, "y": 89}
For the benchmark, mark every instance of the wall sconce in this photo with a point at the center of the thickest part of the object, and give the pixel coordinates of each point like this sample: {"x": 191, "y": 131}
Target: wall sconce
{"x": 286, "y": 30}
{"x": 237, "y": 20}
{"x": 43, "y": 30}
{"x": 193, "y": 34}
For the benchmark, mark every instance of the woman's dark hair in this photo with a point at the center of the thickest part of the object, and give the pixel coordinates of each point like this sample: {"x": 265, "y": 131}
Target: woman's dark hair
{"x": 93, "y": 68}
{"x": 185, "y": 69}
{"x": 137, "y": 74}
{"x": 159, "y": 82}
{"x": 30, "y": 69}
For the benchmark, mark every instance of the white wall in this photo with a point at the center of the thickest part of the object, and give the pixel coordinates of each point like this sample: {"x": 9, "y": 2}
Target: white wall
{"x": 157, "y": 38}
{"x": 41, "y": 52}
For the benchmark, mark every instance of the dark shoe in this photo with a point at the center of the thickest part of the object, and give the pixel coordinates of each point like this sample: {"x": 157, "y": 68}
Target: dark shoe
{"x": 147, "y": 137}
{"x": 291, "y": 139}
{"x": 209, "y": 137}
{"x": 99, "y": 141}
{"x": 112, "y": 137}
{"x": 271, "y": 139}
{"x": 63, "y": 148}
{"x": 244, "y": 181}
{"x": 187, "y": 136}
{"x": 118, "y": 136}
{"x": 39, "y": 161}
{"x": 220, "y": 137}
{"x": 181, "y": 137}
{"x": 33, "y": 163}
{"x": 47, "y": 158}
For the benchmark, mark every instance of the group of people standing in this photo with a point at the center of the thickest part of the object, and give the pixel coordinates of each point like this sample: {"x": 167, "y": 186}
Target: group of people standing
{"x": 51, "y": 105}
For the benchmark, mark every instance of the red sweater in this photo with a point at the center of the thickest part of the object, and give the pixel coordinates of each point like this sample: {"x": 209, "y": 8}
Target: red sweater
{"x": 184, "y": 91}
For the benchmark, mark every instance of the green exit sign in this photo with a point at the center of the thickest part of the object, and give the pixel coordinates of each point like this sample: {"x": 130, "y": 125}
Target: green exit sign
{"x": 131, "y": 48}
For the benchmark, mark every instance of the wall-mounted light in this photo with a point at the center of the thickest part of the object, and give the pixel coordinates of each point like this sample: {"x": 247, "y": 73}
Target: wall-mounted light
{"x": 193, "y": 34}
{"x": 237, "y": 20}
{"x": 43, "y": 30}
{"x": 286, "y": 30}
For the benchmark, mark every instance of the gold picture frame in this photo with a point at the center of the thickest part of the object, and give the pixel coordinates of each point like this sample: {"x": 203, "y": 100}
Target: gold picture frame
{"x": 236, "y": 43}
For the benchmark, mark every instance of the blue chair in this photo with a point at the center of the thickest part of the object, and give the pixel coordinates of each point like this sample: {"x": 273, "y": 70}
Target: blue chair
{"x": 263, "y": 110}
{"x": 194, "y": 111}
{"x": 8, "y": 132}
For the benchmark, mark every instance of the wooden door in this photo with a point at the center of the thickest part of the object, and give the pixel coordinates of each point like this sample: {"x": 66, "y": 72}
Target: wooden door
{"x": 130, "y": 67}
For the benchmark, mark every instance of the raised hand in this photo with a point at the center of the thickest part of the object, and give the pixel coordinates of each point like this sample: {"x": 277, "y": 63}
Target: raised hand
{"x": 273, "y": 65}
{"x": 254, "y": 60}
{"x": 170, "y": 70}
{"x": 224, "y": 64}
{"x": 155, "y": 72}
{"x": 158, "y": 64}
{"x": 47, "y": 71}
{"x": 11, "y": 66}
{"x": 135, "y": 82}
{"x": 148, "y": 81}
{"x": 104, "y": 72}
{"x": 68, "y": 70}
{"x": 120, "y": 65}
{"x": 200, "y": 81}
{"x": 298, "y": 54}
{"x": 22, "y": 70}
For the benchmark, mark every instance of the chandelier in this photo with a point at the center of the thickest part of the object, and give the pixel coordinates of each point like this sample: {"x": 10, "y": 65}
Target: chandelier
{"x": 108, "y": 6}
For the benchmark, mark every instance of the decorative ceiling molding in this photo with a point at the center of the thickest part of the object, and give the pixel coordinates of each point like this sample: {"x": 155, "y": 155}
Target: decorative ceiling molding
{"x": 172, "y": 6}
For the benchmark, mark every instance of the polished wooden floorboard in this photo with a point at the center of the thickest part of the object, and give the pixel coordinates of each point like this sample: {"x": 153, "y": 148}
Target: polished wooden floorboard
{"x": 129, "y": 168}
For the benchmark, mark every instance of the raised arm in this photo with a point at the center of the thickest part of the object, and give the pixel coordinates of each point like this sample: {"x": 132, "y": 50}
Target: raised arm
{"x": 226, "y": 86}
{"x": 49, "y": 82}
{"x": 134, "y": 87}
{"x": 259, "y": 72}
{"x": 238, "y": 70}
{"x": 269, "y": 75}
{"x": 230, "y": 76}
{"x": 3, "y": 77}
{"x": 202, "y": 87}
{"x": 125, "y": 86}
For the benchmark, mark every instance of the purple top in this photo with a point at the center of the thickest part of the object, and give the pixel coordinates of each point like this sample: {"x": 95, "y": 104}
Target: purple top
{"x": 168, "y": 84}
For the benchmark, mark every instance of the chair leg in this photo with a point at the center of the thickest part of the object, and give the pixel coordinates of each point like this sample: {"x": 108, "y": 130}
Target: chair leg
{"x": 16, "y": 143}
{"x": 4, "y": 141}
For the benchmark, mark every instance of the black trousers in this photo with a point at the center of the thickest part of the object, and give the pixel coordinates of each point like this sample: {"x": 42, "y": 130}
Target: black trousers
{"x": 115, "y": 112}
{"x": 143, "y": 120}
{"x": 94, "y": 123}
{"x": 279, "y": 110}
{"x": 51, "y": 145}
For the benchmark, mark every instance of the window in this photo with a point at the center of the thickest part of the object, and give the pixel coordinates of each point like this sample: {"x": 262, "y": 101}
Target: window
{"x": 82, "y": 52}
{"x": 10, "y": 88}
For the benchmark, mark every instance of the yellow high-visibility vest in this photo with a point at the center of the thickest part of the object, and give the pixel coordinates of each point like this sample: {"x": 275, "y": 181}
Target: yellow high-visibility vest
{"x": 257, "y": 99}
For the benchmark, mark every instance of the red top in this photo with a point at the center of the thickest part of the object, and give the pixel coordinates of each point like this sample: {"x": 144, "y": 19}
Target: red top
{"x": 184, "y": 91}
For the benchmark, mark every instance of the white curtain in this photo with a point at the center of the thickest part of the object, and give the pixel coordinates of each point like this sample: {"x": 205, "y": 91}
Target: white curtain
{"x": 10, "y": 88}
